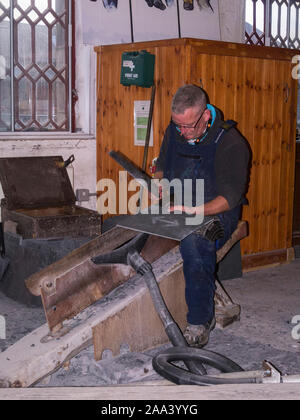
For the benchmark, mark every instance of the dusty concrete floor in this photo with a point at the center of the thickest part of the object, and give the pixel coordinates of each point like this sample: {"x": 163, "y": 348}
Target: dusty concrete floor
{"x": 269, "y": 298}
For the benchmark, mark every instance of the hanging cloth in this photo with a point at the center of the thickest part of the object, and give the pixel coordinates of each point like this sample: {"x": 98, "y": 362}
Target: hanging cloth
{"x": 188, "y": 4}
{"x": 157, "y": 3}
{"x": 110, "y": 4}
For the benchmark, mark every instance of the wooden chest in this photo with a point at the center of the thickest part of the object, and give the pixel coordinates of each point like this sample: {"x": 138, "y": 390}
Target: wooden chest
{"x": 40, "y": 199}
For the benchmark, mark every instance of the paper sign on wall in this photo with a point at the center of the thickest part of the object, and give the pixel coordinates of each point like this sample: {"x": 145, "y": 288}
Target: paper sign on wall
{"x": 141, "y": 117}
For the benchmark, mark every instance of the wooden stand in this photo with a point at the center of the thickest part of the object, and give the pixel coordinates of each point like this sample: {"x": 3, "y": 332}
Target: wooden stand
{"x": 139, "y": 326}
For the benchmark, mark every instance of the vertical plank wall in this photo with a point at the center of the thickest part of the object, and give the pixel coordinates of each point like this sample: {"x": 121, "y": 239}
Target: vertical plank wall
{"x": 252, "y": 85}
{"x": 115, "y": 102}
{"x": 259, "y": 93}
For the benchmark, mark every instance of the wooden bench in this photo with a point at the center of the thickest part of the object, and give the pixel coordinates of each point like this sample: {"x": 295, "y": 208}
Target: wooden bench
{"x": 137, "y": 323}
{"x": 73, "y": 283}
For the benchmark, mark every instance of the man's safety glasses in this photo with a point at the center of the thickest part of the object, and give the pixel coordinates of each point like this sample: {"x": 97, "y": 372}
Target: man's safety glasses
{"x": 189, "y": 126}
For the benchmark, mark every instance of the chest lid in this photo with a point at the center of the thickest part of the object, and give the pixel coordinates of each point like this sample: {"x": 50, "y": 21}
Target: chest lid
{"x": 33, "y": 182}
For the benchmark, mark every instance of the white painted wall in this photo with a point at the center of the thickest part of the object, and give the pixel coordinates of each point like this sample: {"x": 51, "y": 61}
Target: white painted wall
{"x": 232, "y": 20}
{"x": 97, "y": 26}
{"x": 102, "y": 27}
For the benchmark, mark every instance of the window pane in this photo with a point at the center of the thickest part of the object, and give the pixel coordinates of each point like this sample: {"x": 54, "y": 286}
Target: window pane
{"x": 260, "y": 16}
{"x": 5, "y": 71}
{"x": 40, "y": 84}
{"x": 249, "y": 12}
{"x": 275, "y": 19}
{"x": 41, "y": 61}
{"x": 42, "y": 101}
{"x": 24, "y": 89}
{"x": 284, "y": 24}
{"x": 255, "y": 22}
{"x": 38, "y": 92}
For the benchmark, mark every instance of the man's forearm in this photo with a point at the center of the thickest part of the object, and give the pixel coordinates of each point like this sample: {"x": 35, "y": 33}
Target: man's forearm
{"x": 215, "y": 206}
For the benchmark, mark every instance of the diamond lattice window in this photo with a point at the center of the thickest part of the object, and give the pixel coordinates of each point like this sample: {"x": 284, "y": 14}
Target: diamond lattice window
{"x": 273, "y": 22}
{"x": 35, "y": 76}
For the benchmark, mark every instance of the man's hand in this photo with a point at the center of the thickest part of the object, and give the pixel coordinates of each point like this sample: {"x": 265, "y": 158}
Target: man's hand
{"x": 187, "y": 209}
{"x": 215, "y": 206}
{"x": 155, "y": 198}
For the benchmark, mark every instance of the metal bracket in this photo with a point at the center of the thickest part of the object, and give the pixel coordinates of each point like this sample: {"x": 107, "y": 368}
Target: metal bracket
{"x": 84, "y": 194}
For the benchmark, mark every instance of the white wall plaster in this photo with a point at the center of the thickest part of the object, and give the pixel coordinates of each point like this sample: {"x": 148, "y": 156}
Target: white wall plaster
{"x": 201, "y": 23}
{"x": 232, "y": 20}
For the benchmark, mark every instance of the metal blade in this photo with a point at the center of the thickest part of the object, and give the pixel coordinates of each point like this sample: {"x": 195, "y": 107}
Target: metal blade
{"x": 131, "y": 168}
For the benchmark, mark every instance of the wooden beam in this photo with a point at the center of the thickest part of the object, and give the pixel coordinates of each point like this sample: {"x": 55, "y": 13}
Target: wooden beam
{"x": 138, "y": 324}
{"x": 157, "y": 391}
{"x": 40, "y": 353}
{"x": 103, "y": 243}
{"x": 73, "y": 283}
{"x": 266, "y": 259}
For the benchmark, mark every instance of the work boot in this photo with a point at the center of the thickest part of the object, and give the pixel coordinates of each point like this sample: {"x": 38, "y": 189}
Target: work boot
{"x": 198, "y": 335}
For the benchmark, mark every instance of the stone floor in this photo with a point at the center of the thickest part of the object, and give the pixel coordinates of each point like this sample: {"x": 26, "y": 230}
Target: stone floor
{"x": 269, "y": 329}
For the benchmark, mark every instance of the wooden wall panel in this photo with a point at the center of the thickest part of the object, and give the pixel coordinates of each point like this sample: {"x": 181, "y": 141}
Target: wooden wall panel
{"x": 253, "y": 92}
{"x": 251, "y": 85}
{"x": 115, "y": 104}
{"x": 296, "y": 220}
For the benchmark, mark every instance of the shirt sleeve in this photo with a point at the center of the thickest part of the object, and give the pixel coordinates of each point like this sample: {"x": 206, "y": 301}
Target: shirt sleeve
{"x": 232, "y": 167}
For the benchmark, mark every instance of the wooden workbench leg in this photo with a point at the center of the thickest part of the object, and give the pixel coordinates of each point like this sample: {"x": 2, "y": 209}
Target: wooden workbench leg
{"x": 226, "y": 311}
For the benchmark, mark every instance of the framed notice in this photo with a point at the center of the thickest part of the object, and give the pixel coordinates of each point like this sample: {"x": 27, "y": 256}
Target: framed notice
{"x": 141, "y": 117}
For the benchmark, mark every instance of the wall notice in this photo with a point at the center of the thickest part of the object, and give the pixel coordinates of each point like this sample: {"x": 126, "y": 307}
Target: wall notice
{"x": 141, "y": 118}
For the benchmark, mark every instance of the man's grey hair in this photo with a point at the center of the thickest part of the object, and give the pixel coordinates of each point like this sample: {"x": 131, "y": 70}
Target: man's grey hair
{"x": 188, "y": 96}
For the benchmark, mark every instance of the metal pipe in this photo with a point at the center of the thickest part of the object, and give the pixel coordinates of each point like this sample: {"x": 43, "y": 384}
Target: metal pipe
{"x": 131, "y": 21}
{"x": 288, "y": 25}
{"x": 70, "y": 46}
{"x": 290, "y": 379}
{"x": 178, "y": 20}
{"x": 252, "y": 374}
{"x": 267, "y": 24}
{"x": 12, "y": 91}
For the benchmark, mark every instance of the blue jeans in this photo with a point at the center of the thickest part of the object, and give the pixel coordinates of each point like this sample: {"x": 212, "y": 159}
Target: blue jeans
{"x": 199, "y": 268}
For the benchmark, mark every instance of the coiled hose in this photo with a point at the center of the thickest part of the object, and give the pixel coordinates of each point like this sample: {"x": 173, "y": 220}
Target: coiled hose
{"x": 162, "y": 364}
{"x": 193, "y": 358}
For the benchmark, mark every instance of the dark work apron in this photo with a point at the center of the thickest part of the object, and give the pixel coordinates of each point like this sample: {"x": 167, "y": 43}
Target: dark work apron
{"x": 184, "y": 161}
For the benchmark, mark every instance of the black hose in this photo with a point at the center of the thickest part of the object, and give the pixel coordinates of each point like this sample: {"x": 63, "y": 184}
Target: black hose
{"x": 162, "y": 365}
{"x": 193, "y": 358}
{"x": 171, "y": 328}
{"x": 130, "y": 254}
